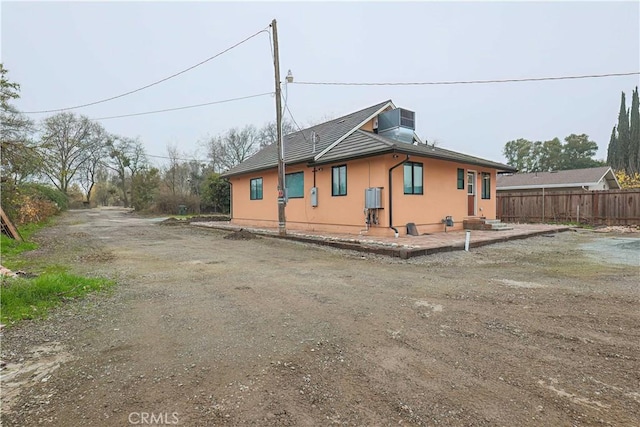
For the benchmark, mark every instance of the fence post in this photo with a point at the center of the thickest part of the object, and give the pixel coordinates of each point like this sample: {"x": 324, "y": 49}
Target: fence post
{"x": 543, "y": 205}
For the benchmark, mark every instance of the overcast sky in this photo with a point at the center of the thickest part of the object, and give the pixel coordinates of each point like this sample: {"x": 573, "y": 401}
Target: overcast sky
{"x": 69, "y": 53}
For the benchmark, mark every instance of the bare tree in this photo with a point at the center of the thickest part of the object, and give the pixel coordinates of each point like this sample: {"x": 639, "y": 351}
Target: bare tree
{"x": 88, "y": 174}
{"x": 177, "y": 174}
{"x": 105, "y": 190}
{"x": 66, "y": 143}
{"x": 127, "y": 157}
{"x": 239, "y": 145}
{"x": 268, "y": 134}
{"x": 137, "y": 162}
{"x": 171, "y": 175}
{"x": 215, "y": 152}
{"x": 235, "y": 146}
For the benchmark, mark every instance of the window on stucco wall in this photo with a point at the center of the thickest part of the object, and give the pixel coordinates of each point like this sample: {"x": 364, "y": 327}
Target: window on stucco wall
{"x": 486, "y": 185}
{"x": 294, "y": 183}
{"x": 339, "y": 180}
{"x": 413, "y": 178}
{"x": 460, "y": 179}
{"x": 256, "y": 189}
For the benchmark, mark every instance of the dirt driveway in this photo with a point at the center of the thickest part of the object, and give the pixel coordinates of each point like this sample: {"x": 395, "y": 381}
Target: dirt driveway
{"x": 204, "y": 330}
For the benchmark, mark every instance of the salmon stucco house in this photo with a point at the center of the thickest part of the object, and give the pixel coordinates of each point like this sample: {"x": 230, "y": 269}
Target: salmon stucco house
{"x": 366, "y": 172}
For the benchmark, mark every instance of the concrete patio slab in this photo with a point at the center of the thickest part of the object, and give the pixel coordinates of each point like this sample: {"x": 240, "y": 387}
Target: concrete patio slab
{"x": 404, "y": 246}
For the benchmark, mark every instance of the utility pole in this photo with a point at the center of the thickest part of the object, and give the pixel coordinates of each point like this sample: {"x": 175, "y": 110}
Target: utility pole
{"x": 282, "y": 229}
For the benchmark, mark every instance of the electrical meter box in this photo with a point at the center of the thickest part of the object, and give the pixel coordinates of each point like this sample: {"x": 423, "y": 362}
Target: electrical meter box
{"x": 373, "y": 198}
{"x": 314, "y": 196}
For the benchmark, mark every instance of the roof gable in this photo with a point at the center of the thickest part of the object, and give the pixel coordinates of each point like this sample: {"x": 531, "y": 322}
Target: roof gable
{"x": 299, "y": 146}
{"x": 354, "y": 129}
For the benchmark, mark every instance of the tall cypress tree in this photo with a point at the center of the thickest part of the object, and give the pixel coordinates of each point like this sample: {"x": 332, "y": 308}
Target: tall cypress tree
{"x": 612, "y": 150}
{"x": 634, "y": 135}
{"x": 622, "y": 151}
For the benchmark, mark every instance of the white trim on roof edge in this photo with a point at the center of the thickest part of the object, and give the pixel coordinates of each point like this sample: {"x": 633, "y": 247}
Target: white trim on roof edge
{"x": 346, "y": 135}
{"x": 615, "y": 178}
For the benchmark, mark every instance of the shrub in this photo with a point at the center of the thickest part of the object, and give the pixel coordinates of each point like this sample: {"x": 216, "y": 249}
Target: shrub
{"x": 33, "y": 209}
{"x": 48, "y": 193}
{"x": 167, "y": 203}
{"x": 32, "y": 203}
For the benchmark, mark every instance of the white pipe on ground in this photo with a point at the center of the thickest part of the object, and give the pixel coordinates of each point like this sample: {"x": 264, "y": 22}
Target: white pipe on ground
{"x": 467, "y": 240}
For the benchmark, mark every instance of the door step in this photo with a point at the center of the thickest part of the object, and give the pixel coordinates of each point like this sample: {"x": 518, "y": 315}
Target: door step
{"x": 485, "y": 224}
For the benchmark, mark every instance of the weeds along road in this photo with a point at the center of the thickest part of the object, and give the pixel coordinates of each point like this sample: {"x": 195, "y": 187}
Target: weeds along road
{"x": 205, "y": 331}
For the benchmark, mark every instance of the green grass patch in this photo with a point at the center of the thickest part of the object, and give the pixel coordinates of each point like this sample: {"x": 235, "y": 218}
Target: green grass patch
{"x": 32, "y": 298}
{"x": 11, "y": 249}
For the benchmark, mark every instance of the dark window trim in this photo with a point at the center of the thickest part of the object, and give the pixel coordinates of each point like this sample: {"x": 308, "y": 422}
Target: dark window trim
{"x": 413, "y": 186}
{"x": 461, "y": 179}
{"x": 486, "y": 186}
{"x": 345, "y": 181}
{"x": 251, "y": 195}
{"x": 289, "y": 196}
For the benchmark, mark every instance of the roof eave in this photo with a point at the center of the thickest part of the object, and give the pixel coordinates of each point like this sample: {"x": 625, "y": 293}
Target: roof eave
{"x": 261, "y": 169}
{"x": 434, "y": 155}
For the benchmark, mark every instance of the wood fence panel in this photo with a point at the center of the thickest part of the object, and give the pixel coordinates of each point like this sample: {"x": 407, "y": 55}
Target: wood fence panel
{"x": 609, "y": 207}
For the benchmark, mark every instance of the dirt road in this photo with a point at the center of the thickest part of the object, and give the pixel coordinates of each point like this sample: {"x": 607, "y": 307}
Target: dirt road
{"x": 205, "y": 331}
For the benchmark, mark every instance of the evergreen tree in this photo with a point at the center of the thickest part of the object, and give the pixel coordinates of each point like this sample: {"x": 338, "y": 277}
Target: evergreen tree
{"x": 634, "y": 135}
{"x": 622, "y": 151}
{"x": 612, "y": 150}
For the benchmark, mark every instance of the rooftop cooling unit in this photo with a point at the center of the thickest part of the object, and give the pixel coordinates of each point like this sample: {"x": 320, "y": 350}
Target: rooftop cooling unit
{"x": 398, "y": 124}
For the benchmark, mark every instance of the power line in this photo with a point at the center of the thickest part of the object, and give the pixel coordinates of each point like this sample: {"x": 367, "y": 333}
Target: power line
{"x": 295, "y": 123}
{"x": 465, "y": 82}
{"x": 184, "y": 107}
{"x": 154, "y": 83}
{"x": 176, "y": 158}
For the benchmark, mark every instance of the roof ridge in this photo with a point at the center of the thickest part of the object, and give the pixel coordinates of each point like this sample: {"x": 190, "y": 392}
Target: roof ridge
{"x": 344, "y": 117}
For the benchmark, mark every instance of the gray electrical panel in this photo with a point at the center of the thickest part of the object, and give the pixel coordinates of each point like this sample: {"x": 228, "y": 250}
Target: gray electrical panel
{"x": 314, "y": 196}
{"x": 373, "y": 198}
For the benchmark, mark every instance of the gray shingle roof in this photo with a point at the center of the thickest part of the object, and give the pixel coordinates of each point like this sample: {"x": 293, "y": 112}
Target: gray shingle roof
{"x": 299, "y": 147}
{"x": 363, "y": 144}
{"x": 568, "y": 178}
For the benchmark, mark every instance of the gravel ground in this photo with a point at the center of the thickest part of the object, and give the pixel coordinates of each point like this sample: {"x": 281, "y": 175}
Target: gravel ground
{"x": 204, "y": 331}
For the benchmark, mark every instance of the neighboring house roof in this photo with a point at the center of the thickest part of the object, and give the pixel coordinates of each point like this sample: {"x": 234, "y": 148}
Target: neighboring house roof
{"x": 558, "y": 179}
{"x": 341, "y": 139}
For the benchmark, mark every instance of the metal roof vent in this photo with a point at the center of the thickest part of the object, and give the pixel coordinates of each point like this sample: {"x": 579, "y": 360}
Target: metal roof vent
{"x": 398, "y": 124}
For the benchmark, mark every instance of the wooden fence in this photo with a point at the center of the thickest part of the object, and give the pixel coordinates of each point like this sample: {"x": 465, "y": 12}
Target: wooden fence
{"x": 610, "y": 207}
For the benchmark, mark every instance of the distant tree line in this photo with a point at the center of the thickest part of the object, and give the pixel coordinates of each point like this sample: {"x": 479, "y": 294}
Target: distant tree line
{"x": 86, "y": 165}
{"x": 575, "y": 152}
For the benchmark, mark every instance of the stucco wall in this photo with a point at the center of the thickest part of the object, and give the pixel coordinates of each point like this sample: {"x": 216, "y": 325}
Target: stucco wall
{"x": 345, "y": 214}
